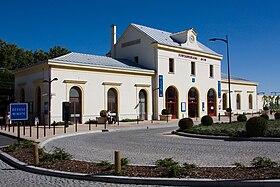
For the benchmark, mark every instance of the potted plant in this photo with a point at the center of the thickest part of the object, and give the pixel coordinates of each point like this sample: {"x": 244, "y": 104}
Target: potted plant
{"x": 165, "y": 113}
{"x": 228, "y": 111}
{"x": 102, "y": 119}
{"x": 265, "y": 110}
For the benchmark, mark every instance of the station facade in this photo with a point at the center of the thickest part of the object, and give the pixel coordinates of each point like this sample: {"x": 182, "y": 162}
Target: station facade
{"x": 145, "y": 71}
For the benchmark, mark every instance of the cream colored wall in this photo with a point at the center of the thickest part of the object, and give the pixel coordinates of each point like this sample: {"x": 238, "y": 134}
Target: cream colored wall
{"x": 94, "y": 92}
{"x": 144, "y": 50}
{"x": 244, "y": 90}
{"x": 29, "y": 82}
{"x": 182, "y": 79}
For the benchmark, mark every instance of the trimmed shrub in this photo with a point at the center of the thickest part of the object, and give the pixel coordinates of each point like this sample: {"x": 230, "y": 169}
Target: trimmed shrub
{"x": 165, "y": 111}
{"x": 185, "y": 123}
{"x": 256, "y": 126}
{"x": 103, "y": 113}
{"x": 241, "y": 118}
{"x": 277, "y": 115}
{"x": 263, "y": 162}
{"x": 265, "y": 116}
{"x": 265, "y": 108}
{"x": 206, "y": 120}
{"x": 228, "y": 110}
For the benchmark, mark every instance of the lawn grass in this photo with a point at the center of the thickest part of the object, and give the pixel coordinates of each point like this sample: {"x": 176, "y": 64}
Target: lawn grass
{"x": 235, "y": 129}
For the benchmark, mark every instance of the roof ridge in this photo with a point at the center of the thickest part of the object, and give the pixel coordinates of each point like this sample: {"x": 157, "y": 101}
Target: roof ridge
{"x": 151, "y": 28}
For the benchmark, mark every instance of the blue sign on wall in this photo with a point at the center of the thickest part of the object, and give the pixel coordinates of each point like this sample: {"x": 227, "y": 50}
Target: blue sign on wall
{"x": 160, "y": 78}
{"x": 193, "y": 80}
{"x": 183, "y": 107}
{"x": 18, "y": 111}
{"x": 219, "y": 89}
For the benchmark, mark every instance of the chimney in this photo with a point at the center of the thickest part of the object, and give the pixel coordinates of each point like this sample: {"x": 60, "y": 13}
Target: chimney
{"x": 113, "y": 40}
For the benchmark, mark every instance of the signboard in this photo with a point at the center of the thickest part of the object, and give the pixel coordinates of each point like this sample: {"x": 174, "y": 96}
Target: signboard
{"x": 18, "y": 111}
{"x": 219, "y": 89}
{"x": 160, "y": 79}
{"x": 183, "y": 106}
{"x": 193, "y": 80}
{"x": 203, "y": 106}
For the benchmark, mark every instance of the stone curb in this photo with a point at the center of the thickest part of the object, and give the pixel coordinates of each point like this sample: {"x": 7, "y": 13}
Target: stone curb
{"x": 227, "y": 138}
{"x": 136, "y": 180}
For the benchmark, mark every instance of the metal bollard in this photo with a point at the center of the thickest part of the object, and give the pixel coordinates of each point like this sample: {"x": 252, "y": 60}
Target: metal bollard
{"x": 167, "y": 118}
{"x": 137, "y": 120}
{"x": 18, "y": 132}
{"x": 30, "y": 133}
{"x": 118, "y": 120}
{"x": 24, "y": 128}
{"x": 152, "y": 118}
{"x": 53, "y": 128}
{"x": 36, "y": 154}
{"x": 44, "y": 129}
{"x": 117, "y": 162}
{"x": 219, "y": 117}
{"x": 13, "y": 126}
{"x": 37, "y": 131}
{"x": 76, "y": 127}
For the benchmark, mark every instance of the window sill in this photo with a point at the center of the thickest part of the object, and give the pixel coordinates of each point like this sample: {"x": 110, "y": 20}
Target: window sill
{"x": 171, "y": 72}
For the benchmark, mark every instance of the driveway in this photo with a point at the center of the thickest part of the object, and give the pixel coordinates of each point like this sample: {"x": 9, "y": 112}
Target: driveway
{"x": 145, "y": 146}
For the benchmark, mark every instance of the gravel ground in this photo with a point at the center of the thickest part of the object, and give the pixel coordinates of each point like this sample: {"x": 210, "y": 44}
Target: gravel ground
{"x": 145, "y": 146}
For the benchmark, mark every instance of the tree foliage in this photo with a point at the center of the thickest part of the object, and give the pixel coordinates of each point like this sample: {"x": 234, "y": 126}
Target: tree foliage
{"x": 13, "y": 57}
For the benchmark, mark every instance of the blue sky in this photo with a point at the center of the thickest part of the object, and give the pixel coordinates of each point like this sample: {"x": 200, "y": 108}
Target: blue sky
{"x": 83, "y": 26}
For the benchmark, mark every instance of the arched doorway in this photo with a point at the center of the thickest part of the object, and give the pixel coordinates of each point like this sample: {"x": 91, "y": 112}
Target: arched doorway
{"x": 211, "y": 102}
{"x": 250, "y": 101}
{"x": 238, "y": 102}
{"x": 171, "y": 101}
{"x": 193, "y": 102}
{"x": 75, "y": 104}
{"x": 224, "y": 101}
{"x": 38, "y": 103}
{"x": 112, "y": 100}
{"x": 22, "y": 96}
{"x": 142, "y": 105}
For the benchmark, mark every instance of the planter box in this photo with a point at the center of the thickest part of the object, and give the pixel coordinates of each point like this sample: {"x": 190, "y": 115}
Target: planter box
{"x": 164, "y": 117}
{"x": 101, "y": 120}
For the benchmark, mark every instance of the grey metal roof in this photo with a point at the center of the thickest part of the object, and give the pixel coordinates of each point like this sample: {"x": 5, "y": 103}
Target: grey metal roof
{"x": 224, "y": 76}
{"x": 99, "y": 61}
{"x": 163, "y": 37}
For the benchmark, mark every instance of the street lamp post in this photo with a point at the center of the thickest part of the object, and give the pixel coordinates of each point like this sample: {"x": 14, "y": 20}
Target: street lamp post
{"x": 229, "y": 96}
{"x": 50, "y": 97}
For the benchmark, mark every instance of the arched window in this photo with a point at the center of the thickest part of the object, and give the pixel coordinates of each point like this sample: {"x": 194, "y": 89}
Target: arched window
{"x": 193, "y": 102}
{"x": 224, "y": 101}
{"x": 76, "y": 104}
{"x": 211, "y": 102}
{"x": 142, "y": 105}
{"x": 22, "y": 96}
{"x": 238, "y": 102}
{"x": 171, "y": 101}
{"x": 250, "y": 101}
{"x": 112, "y": 100}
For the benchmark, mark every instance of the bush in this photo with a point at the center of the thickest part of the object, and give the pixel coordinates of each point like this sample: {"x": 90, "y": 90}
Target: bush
{"x": 106, "y": 164}
{"x": 256, "y": 126}
{"x": 165, "y": 111}
{"x": 265, "y": 116}
{"x": 239, "y": 165}
{"x": 241, "y": 118}
{"x": 206, "y": 120}
{"x": 185, "y": 123}
{"x": 166, "y": 162}
{"x": 277, "y": 115}
{"x": 261, "y": 162}
{"x": 124, "y": 161}
{"x": 265, "y": 108}
{"x": 103, "y": 113}
{"x": 228, "y": 110}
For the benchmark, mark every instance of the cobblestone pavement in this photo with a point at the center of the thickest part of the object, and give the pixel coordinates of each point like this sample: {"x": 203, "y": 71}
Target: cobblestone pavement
{"x": 10, "y": 177}
{"x": 145, "y": 146}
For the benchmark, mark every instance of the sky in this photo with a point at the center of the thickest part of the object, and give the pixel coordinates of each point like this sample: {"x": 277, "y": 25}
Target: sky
{"x": 252, "y": 26}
